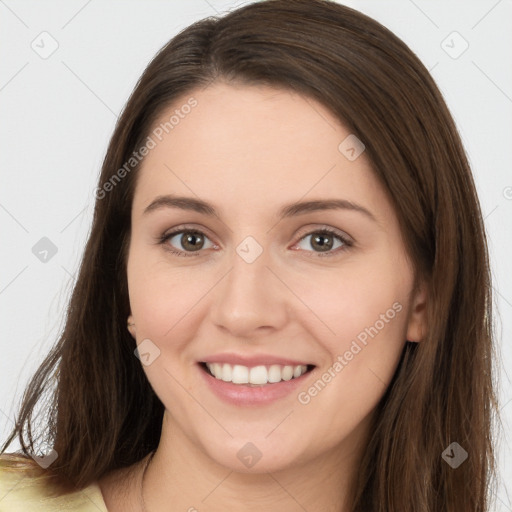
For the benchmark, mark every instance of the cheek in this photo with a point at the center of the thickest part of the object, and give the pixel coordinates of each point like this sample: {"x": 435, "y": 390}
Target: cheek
{"x": 363, "y": 312}
{"x": 162, "y": 301}
{"x": 346, "y": 304}
{"x": 161, "y": 295}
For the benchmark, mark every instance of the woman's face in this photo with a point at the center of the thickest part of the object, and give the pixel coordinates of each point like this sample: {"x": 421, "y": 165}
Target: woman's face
{"x": 257, "y": 286}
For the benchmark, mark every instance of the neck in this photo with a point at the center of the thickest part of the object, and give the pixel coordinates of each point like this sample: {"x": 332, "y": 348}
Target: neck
{"x": 181, "y": 474}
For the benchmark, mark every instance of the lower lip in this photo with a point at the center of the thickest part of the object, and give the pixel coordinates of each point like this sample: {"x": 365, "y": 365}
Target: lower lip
{"x": 242, "y": 394}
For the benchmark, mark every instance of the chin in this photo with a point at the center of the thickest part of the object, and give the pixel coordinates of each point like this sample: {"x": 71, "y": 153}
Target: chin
{"x": 254, "y": 455}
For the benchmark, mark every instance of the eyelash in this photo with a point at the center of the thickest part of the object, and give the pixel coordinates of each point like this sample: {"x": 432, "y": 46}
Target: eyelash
{"x": 324, "y": 231}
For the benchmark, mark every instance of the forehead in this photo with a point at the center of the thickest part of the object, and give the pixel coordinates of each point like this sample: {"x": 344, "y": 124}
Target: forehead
{"x": 252, "y": 145}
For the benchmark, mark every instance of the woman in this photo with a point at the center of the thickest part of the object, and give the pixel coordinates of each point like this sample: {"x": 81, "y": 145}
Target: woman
{"x": 285, "y": 299}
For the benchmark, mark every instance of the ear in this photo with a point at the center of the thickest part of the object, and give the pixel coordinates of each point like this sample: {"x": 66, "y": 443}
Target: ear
{"x": 417, "y": 323}
{"x": 131, "y": 326}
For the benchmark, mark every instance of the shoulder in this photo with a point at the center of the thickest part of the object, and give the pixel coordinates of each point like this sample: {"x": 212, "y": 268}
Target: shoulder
{"x": 26, "y": 487}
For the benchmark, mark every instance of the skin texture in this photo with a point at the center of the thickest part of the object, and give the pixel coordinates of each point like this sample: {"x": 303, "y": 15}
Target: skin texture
{"x": 249, "y": 150}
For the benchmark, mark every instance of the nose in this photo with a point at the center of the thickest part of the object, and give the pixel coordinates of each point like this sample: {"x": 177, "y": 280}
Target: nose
{"x": 251, "y": 300}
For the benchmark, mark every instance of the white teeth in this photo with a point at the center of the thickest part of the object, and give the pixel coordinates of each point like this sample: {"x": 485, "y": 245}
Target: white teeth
{"x": 240, "y": 374}
{"x": 217, "y": 370}
{"x": 227, "y": 372}
{"x": 257, "y": 375}
{"x": 274, "y": 373}
{"x": 287, "y": 372}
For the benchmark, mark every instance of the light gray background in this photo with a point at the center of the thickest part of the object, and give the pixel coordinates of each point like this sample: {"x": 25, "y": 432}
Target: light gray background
{"x": 58, "y": 113}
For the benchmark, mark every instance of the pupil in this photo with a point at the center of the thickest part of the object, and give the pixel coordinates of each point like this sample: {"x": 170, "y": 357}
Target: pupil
{"x": 325, "y": 246}
{"x": 190, "y": 238}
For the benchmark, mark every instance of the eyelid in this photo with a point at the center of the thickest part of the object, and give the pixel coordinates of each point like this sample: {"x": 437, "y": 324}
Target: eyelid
{"x": 346, "y": 239}
{"x": 179, "y": 230}
{"x": 308, "y": 230}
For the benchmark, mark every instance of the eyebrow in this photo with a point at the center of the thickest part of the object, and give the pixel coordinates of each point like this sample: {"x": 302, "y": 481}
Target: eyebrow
{"x": 289, "y": 210}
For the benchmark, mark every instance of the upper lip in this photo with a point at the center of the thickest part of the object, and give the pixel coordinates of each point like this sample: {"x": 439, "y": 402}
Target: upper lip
{"x": 253, "y": 360}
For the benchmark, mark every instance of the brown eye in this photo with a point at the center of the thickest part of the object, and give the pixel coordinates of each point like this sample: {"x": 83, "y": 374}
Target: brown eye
{"x": 185, "y": 242}
{"x": 323, "y": 242}
{"x": 192, "y": 241}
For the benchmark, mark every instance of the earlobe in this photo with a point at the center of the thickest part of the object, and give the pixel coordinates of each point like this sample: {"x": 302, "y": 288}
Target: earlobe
{"x": 417, "y": 328}
{"x": 131, "y": 325}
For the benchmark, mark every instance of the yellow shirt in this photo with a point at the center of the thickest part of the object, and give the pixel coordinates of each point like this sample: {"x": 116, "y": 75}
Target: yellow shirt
{"x": 24, "y": 487}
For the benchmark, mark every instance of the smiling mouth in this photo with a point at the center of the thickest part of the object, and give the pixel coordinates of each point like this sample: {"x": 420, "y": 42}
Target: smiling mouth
{"x": 261, "y": 375}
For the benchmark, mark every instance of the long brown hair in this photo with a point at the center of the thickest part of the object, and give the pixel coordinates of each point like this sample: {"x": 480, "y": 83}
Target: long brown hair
{"x": 102, "y": 413}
